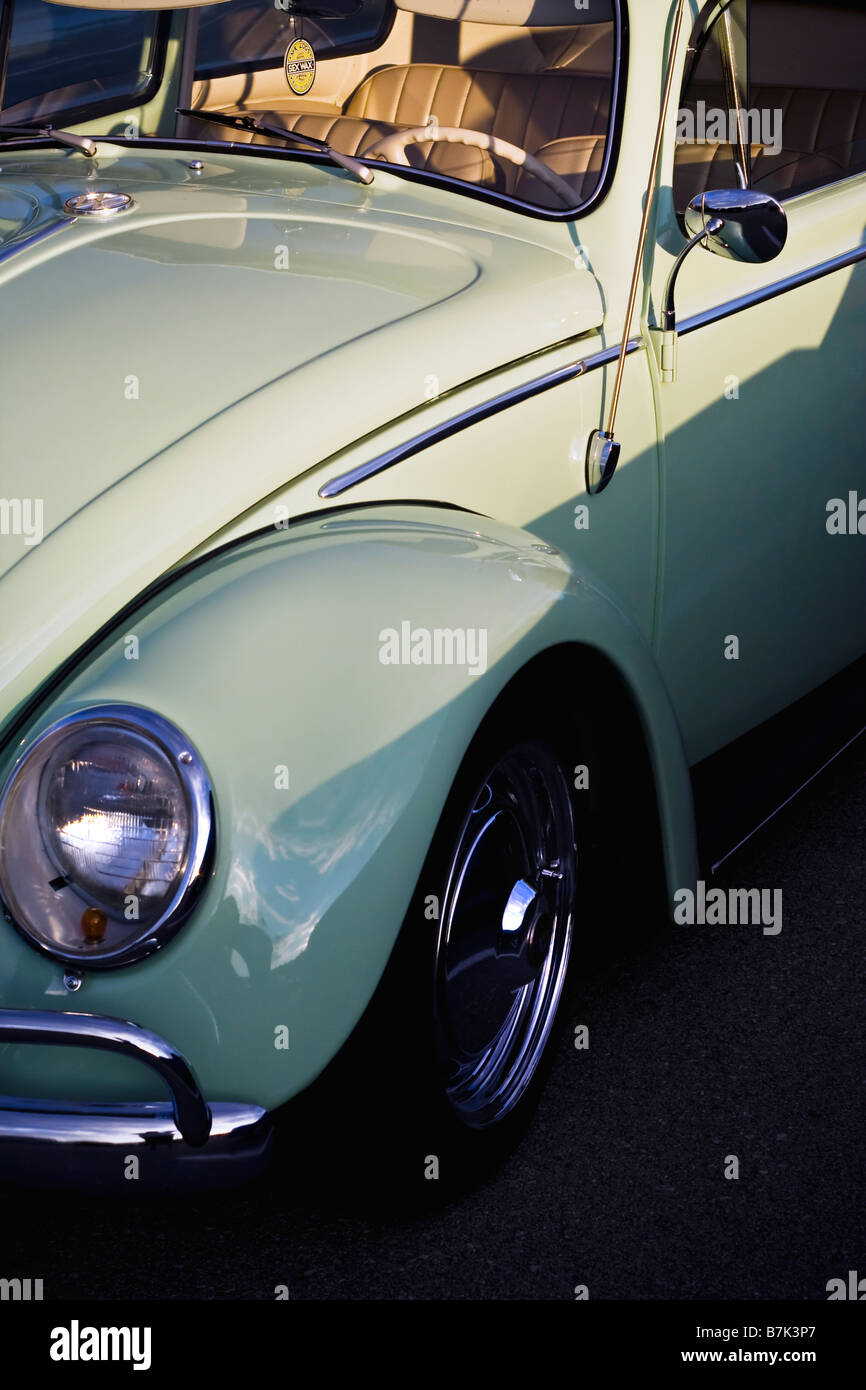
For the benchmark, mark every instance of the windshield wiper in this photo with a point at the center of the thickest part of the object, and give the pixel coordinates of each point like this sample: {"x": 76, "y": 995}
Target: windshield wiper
{"x": 352, "y": 166}
{"x": 50, "y": 132}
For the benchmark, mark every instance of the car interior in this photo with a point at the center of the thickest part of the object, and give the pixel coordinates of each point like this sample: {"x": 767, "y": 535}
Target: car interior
{"x": 543, "y": 84}
{"x": 807, "y": 71}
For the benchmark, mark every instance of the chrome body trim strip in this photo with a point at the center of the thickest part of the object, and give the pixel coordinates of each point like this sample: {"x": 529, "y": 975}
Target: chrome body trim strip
{"x": 341, "y": 483}
{"x": 7, "y": 252}
{"x": 791, "y": 282}
{"x": 437, "y": 433}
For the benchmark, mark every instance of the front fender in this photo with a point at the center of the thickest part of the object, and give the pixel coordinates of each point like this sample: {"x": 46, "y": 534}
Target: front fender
{"x": 330, "y": 769}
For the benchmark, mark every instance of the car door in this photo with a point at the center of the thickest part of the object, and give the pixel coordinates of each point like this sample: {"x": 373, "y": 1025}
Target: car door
{"x": 764, "y": 468}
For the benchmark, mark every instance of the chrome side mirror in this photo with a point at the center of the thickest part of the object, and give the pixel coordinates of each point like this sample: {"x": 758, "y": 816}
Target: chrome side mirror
{"x": 754, "y": 226}
{"x": 737, "y": 223}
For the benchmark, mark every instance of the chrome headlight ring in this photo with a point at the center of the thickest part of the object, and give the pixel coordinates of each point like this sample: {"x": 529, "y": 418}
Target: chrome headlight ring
{"x": 107, "y": 836}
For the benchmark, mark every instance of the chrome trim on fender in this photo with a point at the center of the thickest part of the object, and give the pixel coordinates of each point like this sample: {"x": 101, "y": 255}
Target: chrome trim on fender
{"x": 791, "y": 282}
{"x": 181, "y": 1143}
{"x": 7, "y": 252}
{"x": 437, "y": 433}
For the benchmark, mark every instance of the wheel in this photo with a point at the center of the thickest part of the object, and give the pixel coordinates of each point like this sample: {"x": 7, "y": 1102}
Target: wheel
{"x": 504, "y": 938}
{"x": 441, "y": 1077}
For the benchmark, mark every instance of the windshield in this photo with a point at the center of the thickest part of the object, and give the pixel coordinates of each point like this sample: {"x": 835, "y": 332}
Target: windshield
{"x": 246, "y": 34}
{"x": 67, "y": 59}
{"x": 521, "y": 113}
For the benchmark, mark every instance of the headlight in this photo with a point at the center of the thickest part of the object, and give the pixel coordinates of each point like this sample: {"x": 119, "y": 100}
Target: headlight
{"x": 106, "y": 836}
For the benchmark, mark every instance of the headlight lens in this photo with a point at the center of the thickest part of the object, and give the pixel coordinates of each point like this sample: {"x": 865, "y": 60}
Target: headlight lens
{"x": 106, "y": 834}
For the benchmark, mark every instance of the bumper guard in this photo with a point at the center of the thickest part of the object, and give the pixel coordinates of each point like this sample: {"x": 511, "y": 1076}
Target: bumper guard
{"x": 183, "y": 1143}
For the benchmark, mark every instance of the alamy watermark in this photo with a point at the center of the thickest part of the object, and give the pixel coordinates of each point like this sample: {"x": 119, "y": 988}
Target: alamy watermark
{"x": 438, "y": 646}
{"x": 732, "y": 907}
{"x": 711, "y": 125}
{"x": 846, "y": 517}
{"x": 77, "y": 1343}
{"x": 22, "y": 516}
{"x": 21, "y": 1290}
{"x": 852, "y": 1288}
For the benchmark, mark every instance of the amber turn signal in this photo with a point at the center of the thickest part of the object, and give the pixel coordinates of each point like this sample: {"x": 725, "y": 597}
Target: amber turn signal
{"x": 93, "y": 924}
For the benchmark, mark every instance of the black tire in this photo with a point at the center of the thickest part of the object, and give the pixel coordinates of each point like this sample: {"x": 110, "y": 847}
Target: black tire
{"x": 397, "y": 1099}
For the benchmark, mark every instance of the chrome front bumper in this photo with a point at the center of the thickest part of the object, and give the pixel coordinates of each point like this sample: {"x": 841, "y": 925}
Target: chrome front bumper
{"x": 184, "y": 1143}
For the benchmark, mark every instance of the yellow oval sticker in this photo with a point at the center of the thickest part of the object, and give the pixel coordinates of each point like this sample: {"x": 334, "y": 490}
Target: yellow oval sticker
{"x": 300, "y": 67}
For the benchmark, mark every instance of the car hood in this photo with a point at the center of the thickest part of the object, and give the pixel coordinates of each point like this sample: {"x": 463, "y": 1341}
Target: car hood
{"x": 275, "y": 293}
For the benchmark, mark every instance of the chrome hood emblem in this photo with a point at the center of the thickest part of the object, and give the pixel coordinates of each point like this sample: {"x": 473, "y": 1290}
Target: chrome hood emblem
{"x": 97, "y": 204}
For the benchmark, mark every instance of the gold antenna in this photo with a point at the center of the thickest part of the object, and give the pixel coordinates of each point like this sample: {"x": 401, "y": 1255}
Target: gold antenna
{"x": 602, "y": 453}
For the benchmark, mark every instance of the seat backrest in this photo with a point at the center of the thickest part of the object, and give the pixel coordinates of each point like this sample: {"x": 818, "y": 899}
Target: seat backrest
{"x": 808, "y": 82}
{"x": 527, "y": 109}
{"x": 823, "y": 135}
{"x": 823, "y": 138}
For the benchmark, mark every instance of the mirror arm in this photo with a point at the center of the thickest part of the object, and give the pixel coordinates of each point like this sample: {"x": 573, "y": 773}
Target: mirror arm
{"x": 664, "y": 339}
{"x": 669, "y": 313}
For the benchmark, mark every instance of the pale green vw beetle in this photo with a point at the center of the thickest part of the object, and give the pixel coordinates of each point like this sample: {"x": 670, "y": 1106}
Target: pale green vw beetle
{"x": 378, "y": 612}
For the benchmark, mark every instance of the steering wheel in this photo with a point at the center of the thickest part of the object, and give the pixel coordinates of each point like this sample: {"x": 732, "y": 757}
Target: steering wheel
{"x": 393, "y": 149}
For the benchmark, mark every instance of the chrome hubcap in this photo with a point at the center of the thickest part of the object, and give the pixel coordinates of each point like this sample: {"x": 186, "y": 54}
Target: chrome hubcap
{"x": 504, "y": 934}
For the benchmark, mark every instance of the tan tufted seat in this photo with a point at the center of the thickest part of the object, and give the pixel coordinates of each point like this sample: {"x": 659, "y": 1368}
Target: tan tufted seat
{"x": 528, "y": 109}
{"x": 808, "y": 66}
{"x": 531, "y": 110}
{"x": 579, "y": 159}
{"x": 824, "y": 137}
{"x": 824, "y": 134}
